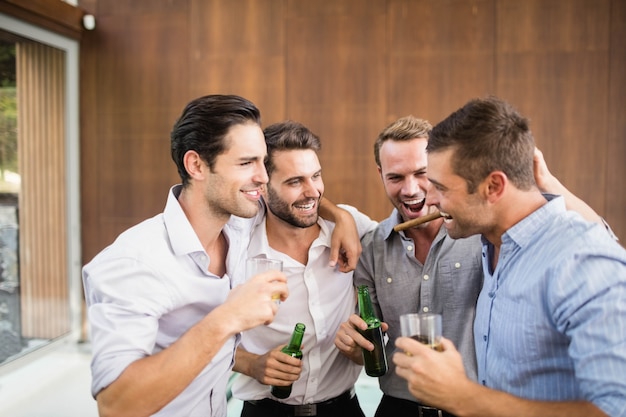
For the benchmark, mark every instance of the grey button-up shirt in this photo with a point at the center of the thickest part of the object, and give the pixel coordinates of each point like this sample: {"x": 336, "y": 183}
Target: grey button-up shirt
{"x": 448, "y": 283}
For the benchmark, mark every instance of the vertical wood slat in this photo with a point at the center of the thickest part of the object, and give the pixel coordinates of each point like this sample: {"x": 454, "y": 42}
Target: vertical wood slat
{"x": 42, "y": 201}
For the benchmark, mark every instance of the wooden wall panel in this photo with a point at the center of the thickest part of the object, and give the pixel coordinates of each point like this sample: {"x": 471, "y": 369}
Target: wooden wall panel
{"x": 441, "y": 55}
{"x": 238, "y": 47}
{"x": 615, "y": 168}
{"x": 552, "y": 63}
{"x": 346, "y": 68}
{"x": 336, "y": 85}
{"x": 139, "y": 80}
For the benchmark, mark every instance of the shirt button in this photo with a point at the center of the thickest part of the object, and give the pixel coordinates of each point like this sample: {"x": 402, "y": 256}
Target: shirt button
{"x": 485, "y": 337}
{"x": 425, "y": 309}
{"x": 457, "y": 265}
{"x": 389, "y": 280}
{"x": 409, "y": 247}
{"x": 426, "y": 277}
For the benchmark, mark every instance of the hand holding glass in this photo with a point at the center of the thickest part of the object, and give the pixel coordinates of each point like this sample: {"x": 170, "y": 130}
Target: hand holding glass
{"x": 423, "y": 327}
{"x": 255, "y": 266}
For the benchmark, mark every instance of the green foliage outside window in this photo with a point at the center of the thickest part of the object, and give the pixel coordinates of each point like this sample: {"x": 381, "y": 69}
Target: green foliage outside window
{"x": 8, "y": 117}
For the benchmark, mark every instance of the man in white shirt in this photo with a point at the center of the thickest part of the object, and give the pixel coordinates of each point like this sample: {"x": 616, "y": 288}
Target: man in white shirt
{"x": 321, "y": 297}
{"x": 163, "y": 313}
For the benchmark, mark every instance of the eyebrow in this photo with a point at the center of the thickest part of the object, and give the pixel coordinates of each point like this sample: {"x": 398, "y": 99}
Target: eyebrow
{"x": 301, "y": 177}
{"x": 397, "y": 174}
{"x": 437, "y": 183}
{"x": 249, "y": 158}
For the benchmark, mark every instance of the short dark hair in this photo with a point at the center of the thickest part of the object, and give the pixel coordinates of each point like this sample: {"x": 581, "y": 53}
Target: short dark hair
{"x": 404, "y": 129}
{"x": 288, "y": 135}
{"x": 487, "y": 135}
{"x": 203, "y": 127}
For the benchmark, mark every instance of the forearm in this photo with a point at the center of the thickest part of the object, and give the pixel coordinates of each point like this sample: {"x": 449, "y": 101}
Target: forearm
{"x": 330, "y": 211}
{"x": 150, "y": 383}
{"x": 484, "y": 402}
{"x": 244, "y": 361}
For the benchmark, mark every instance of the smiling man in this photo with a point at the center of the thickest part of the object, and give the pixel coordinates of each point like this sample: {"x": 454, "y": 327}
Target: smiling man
{"x": 321, "y": 296}
{"x": 163, "y": 305}
{"x": 417, "y": 270}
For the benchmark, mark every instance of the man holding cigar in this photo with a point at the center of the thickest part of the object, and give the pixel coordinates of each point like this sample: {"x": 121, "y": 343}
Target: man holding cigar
{"x": 415, "y": 270}
{"x": 420, "y": 269}
{"x": 550, "y": 319}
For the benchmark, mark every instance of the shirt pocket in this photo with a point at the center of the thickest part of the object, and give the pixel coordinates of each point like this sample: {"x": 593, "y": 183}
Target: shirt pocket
{"x": 461, "y": 282}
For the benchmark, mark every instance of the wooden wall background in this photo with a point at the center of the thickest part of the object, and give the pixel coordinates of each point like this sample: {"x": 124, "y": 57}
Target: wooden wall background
{"x": 346, "y": 68}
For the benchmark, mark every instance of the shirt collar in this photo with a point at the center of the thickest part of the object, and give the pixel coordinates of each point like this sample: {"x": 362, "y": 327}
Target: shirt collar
{"x": 527, "y": 229}
{"x": 183, "y": 238}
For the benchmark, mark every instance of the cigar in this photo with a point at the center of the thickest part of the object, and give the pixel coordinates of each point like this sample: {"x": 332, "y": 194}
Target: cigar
{"x": 416, "y": 222}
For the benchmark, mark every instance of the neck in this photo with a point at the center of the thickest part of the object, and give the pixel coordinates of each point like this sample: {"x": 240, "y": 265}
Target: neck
{"x": 293, "y": 241}
{"x": 509, "y": 211}
{"x": 207, "y": 224}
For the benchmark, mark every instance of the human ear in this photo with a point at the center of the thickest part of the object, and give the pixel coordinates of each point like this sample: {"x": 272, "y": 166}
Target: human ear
{"x": 494, "y": 185}
{"x": 194, "y": 164}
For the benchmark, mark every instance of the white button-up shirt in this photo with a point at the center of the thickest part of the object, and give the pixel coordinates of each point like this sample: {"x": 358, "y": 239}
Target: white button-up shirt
{"x": 320, "y": 297}
{"x": 147, "y": 289}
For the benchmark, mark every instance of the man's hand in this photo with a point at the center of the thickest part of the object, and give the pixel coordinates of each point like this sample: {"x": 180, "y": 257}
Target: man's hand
{"x": 436, "y": 378}
{"x": 345, "y": 245}
{"x": 548, "y": 183}
{"x": 250, "y": 304}
{"x": 350, "y": 342}
{"x": 274, "y": 368}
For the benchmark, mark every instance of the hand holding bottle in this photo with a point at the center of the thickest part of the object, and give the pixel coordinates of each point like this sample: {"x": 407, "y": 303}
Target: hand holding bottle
{"x": 350, "y": 341}
{"x": 375, "y": 361}
{"x": 293, "y": 349}
{"x": 272, "y": 368}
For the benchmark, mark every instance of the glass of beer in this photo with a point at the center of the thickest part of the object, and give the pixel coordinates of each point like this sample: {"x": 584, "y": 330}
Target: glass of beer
{"x": 255, "y": 266}
{"x": 423, "y": 327}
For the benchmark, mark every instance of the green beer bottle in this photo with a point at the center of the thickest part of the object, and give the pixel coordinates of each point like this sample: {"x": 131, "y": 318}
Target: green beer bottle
{"x": 376, "y": 360}
{"x": 292, "y": 349}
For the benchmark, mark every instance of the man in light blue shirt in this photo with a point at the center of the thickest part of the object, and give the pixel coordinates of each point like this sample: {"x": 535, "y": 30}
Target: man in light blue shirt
{"x": 550, "y": 328}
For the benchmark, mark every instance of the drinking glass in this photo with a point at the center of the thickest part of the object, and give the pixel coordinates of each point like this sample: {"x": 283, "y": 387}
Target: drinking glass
{"x": 255, "y": 266}
{"x": 423, "y": 327}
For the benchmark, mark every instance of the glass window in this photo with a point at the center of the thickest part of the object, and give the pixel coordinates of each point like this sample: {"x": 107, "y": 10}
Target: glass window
{"x": 40, "y": 291}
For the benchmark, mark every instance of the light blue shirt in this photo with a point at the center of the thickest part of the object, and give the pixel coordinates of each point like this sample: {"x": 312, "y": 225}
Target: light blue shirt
{"x": 551, "y": 319}
{"x": 147, "y": 289}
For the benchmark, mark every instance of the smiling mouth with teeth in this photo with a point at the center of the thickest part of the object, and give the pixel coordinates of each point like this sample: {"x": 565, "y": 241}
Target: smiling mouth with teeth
{"x": 414, "y": 206}
{"x": 308, "y": 206}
